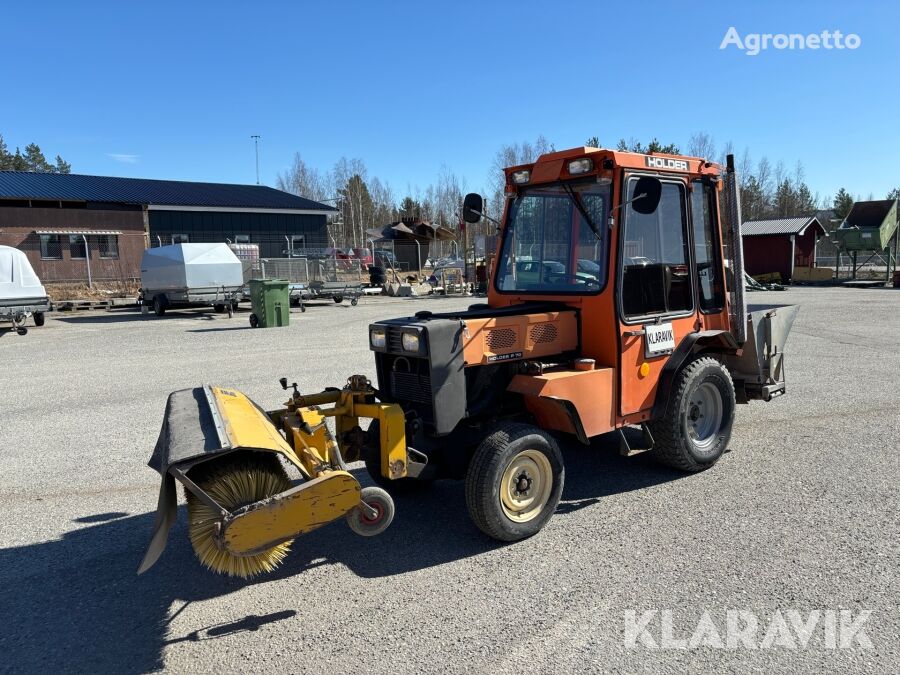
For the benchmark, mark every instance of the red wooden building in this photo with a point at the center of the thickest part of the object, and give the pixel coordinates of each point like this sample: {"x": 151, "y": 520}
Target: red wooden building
{"x": 780, "y": 245}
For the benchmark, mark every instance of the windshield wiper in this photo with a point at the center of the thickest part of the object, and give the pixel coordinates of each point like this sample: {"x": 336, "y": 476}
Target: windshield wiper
{"x": 584, "y": 214}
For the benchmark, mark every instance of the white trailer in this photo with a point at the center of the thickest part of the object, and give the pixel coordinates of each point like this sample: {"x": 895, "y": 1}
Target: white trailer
{"x": 21, "y": 292}
{"x": 186, "y": 275}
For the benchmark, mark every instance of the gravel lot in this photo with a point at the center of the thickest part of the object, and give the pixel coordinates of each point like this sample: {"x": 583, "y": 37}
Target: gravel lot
{"x": 801, "y": 515}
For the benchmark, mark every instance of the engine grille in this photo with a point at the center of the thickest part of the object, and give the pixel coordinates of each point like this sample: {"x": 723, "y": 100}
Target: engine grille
{"x": 500, "y": 338}
{"x": 395, "y": 344}
{"x": 543, "y": 332}
{"x": 411, "y": 387}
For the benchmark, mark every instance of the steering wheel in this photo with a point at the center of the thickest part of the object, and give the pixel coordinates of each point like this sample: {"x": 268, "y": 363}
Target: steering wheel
{"x": 556, "y": 277}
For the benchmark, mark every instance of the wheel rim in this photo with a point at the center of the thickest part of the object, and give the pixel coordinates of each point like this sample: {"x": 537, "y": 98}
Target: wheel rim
{"x": 526, "y": 486}
{"x": 378, "y": 515}
{"x": 704, "y": 415}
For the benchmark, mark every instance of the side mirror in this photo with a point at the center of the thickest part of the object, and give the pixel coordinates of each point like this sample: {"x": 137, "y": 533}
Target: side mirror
{"x": 473, "y": 206}
{"x": 647, "y": 193}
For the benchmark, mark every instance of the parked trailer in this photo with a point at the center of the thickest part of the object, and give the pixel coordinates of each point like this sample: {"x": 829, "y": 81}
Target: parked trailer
{"x": 21, "y": 292}
{"x": 336, "y": 290}
{"x": 191, "y": 275}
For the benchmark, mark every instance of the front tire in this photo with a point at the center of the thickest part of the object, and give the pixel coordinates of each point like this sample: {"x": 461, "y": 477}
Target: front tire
{"x": 514, "y": 482}
{"x": 159, "y": 305}
{"x": 696, "y": 428}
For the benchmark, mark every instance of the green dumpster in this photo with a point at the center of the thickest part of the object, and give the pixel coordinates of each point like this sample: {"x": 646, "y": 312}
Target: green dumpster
{"x": 271, "y": 300}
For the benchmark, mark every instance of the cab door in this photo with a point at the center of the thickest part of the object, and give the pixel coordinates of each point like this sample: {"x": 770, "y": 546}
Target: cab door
{"x": 656, "y": 299}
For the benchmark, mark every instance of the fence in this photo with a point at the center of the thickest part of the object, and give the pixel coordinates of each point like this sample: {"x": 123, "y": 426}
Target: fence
{"x": 305, "y": 271}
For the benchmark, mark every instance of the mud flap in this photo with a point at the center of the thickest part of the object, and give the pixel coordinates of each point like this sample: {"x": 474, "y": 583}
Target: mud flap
{"x": 166, "y": 514}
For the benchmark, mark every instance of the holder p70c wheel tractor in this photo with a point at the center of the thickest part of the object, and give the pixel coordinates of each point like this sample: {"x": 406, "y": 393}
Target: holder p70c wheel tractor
{"x": 615, "y": 301}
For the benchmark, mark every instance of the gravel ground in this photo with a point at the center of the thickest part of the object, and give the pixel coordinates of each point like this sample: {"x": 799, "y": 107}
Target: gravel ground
{"x": 801, "y": 515}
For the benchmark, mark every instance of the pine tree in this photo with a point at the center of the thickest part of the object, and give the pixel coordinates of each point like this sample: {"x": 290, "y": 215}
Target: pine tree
{"x": 5, "y": 156}
{"x": 410, "y": 208}
{"x": 62, "y": 166}
{"x": 842, "y": 204}
{"x": 32, "y": 160}
{"x": 35, "y": 159}
{"x": 653, "y": 146}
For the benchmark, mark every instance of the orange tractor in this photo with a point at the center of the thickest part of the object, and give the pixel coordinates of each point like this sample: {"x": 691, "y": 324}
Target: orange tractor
{"x": 615, "y": 300}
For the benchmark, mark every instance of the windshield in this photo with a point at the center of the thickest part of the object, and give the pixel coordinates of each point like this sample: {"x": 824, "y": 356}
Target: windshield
{"x": 547, "y": 245}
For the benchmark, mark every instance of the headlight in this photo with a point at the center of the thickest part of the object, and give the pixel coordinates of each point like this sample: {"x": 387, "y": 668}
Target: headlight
{"x": 410, "y": 342}
{"x": 577, "y": 166}
{"x": 378, "y": 338}
{"x": 520, "y": 177}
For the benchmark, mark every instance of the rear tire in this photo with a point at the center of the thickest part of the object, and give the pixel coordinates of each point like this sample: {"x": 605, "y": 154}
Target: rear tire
{"x": 514, "y": 482}
{"x": 159, "y": 305}
{"x": 39, "y": 318}
{"x": 338, "y": 299}
{"x": 254, "y": 321}
{"x": 696, "y": 428}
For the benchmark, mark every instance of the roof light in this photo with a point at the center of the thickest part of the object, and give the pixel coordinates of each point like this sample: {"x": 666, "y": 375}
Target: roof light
{"x": 578, "y": 166}
{"x": 520, "y": 177}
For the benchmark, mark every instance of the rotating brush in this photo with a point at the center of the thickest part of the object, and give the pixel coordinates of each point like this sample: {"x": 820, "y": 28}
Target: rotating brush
{"x": 234, "y": 481}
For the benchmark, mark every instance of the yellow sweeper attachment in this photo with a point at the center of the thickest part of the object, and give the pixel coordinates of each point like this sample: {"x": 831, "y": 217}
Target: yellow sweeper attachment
{"x": 231, "y": 457}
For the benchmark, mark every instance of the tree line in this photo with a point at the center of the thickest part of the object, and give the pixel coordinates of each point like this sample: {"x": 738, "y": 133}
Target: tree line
{"x": 366, "y": 202}
{"x": 31, "y": 160}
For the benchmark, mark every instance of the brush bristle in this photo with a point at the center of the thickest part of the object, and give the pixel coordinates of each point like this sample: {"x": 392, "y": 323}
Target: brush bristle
{"x": 233, "y": 482}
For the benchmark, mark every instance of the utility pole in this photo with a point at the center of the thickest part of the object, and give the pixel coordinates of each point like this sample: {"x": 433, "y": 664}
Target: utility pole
{"x": 256, "y": 138}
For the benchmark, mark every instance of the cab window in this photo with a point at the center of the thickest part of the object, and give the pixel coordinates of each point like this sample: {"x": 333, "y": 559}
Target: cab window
{"x": 706, "y": 247}
{"x": 548, "y": 244}
{"x": 656, "y": 277}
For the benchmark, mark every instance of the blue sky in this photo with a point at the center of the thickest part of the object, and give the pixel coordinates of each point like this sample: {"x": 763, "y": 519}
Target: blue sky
{"x": 174, "y": 90}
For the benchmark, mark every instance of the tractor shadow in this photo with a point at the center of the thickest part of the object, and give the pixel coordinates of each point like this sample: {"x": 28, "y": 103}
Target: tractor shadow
{"x": 75, "y": 604}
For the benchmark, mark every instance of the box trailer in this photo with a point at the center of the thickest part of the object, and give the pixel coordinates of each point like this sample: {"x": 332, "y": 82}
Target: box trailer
{"x": 190, "y": 275}
{"x": 21, "y": 292}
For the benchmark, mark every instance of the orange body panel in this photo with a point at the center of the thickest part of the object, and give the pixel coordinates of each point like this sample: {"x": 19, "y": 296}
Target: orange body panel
{"x": 603, "y": 333}
{"x": 512, "y": 338}
{"x": 591, "y": 393}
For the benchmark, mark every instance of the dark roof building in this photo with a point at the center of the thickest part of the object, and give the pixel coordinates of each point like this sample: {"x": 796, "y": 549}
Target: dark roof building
{"x": 148, "y": 192}
{"x": 780, "y": 245}
{"x": 67, "y": 223}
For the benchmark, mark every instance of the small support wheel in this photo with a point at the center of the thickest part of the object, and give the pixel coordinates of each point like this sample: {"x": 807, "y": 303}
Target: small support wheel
{"x": 254, "y": 321}
{"x": 381, "y": 515}
{"x": 230, "y": 310}
{"x": 39, "y": 318}
{"x": 354, "y": 302}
